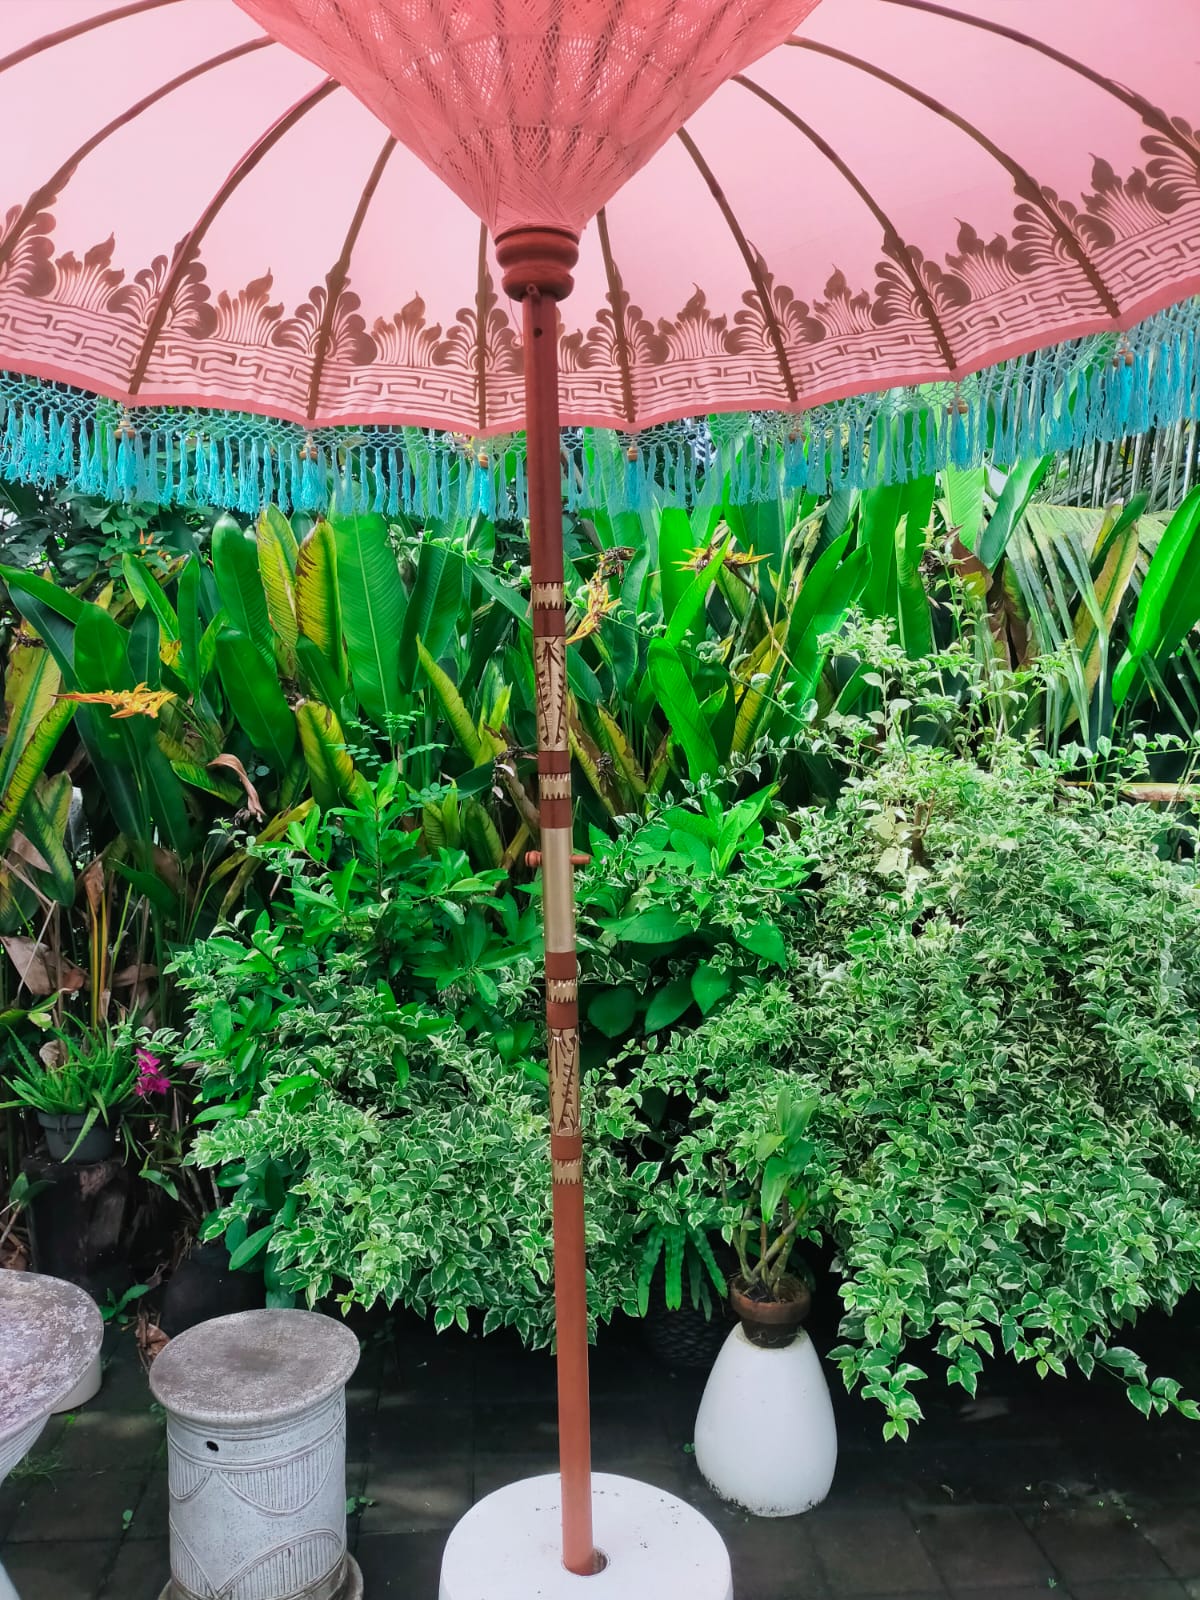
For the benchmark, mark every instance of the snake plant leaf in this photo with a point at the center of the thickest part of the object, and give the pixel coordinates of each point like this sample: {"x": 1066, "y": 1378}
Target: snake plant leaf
{"x": 373, "y": 607}
{"x": 677, "y": 698}
{"x": 240, "y": 586}
{"x": 256, "y": 699}
{"x": 330, "y": 766}
{"x": 318, "y": 607}
{"x": 30, "y": 765}
{"x": 277, "y": 556}
{"x": 432, "y": 608}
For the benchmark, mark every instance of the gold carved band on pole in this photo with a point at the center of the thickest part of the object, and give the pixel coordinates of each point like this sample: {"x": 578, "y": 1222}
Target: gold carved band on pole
{"x": 547, "y": 596}
{"x": 564, "y": 1083}
{"x": 550, "y": 667}
{"x": 567, "y": 1171}
{"x": 562, "y": 990}
{"x": 554, "y": 785}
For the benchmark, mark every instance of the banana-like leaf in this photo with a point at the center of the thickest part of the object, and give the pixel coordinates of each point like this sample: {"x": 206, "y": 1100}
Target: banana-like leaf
{"x": 1119, "y": 541}
{"x": 621, "y": 752}
{"x": 44, "y": 822}
{"x": 30, "y": 684}
{"x": 912, "y": 602}
{"x": 50, "y": 611}
{"x": 147, "y": 592}
{"x": 190, "y": 627}
{"x": 454, "y": 709}
{"x": 760, "y": 676}
{"x": 373, "y": 607}
{"x": 142, "y": 649}
{"x": 962, "y": 503}
{"x": 1019, "y": 488}
{"x": 589, "y": 756}
{"x": 1168, "y": 606}
{"x": 277, "y": 556}
{"x": 878, "y": 526}
{"x": 30, "y": 765}
{"x": 257, "y": 701}
{"x": 318, "y": 607}
{"x": 432, "y": 608}
{"x": 330, "y": 767}
{"x": 239, "y": 583}
{"x": 199, "y": 777}
{"x": 482, "y": 837}
{"x": 679, "y": 705}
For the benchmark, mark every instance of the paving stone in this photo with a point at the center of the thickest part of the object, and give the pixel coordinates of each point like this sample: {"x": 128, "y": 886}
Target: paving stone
{"x": 494, "y": 1471}
{"x": 97, "y": 1439}
{"x": 870, "y": 1551}
{"x": 1096, "y": 1544}
{"x": 406, "y": 1435}
{"x": 60, "y": 1571}
{"x": 979, "y": 1545}
{"x": 141, "y": 1569}
{"x": 772, "y": 1559}
{"x": 416, "y": 1498}
{"x": 151, "y": 1515}
{"x": 77, "y": 1506}
{"x": 1127, "y": 1589}
{"x": 1022, "y": 1591}
{"x": 401, "y": 1566}
{"x": 1175, "y": 1534}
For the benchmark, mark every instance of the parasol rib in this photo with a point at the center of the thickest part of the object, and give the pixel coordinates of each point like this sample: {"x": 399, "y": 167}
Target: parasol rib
{"x": 75, "y": 29}
{"x": 47, "y": 191}
{"x": 620, "y": 334}
{"x": 753, "y": 262}
{"x": 335, "y": 279}
{"x": 185, "y": 254}
{"x": 1024, "y": 182}
{"x": 481, "y": 315}
{"x": 1151, "y": 114}
{"x": 893, "y": 243}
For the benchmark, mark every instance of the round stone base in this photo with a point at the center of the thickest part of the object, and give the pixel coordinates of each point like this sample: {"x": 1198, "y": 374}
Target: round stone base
{"x": 351, "y": 1587}
{"x": 508, "y": 1547}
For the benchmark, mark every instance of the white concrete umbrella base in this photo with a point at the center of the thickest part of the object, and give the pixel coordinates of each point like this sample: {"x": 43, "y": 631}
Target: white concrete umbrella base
{"x": 508, "y": 1547}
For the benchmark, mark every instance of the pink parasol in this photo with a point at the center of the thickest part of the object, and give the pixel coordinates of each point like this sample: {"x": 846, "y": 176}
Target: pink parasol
{"x": 760, "y": 205}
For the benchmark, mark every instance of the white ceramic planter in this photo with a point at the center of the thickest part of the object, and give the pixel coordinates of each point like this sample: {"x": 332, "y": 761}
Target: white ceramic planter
{"x": 765, "y": 1434}
{"x": 50, "y": 1336}
{"x": 256, "y": 1441}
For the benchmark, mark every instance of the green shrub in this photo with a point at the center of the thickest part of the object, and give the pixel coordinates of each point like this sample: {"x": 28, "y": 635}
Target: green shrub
{"x": 996, "y": 999}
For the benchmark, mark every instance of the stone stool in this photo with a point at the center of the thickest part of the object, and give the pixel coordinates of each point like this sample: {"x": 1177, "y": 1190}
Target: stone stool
{"x": 50, "y": 1334}
{"x": 256, "y": 1443}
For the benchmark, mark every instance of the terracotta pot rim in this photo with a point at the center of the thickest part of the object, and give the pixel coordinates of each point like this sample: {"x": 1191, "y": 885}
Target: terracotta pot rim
{"x": 785, "y": 1312}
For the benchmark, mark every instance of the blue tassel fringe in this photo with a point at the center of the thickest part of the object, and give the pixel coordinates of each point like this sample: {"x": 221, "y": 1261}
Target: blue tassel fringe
{"x": 1100, "y": 390}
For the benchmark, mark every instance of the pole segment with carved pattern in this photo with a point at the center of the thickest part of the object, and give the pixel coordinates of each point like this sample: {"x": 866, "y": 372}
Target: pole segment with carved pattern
{"x": 537, "y": 264}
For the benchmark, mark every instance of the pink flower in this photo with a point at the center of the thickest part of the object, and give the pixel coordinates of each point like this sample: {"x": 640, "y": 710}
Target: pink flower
{"x": 150, "y": 1079}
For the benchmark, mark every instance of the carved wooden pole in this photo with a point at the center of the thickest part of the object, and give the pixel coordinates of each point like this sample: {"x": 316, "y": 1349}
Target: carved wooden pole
{"x": 537, "y": 265}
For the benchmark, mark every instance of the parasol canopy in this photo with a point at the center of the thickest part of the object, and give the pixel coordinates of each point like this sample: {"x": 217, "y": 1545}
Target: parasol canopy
{"x": 784, "y": 206}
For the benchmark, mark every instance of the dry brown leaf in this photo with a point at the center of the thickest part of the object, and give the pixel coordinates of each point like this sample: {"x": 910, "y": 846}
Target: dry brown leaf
{"x": 30, "y": 960}
{"x": 92, "y": 881}
{"x": 27, "y": 851}
{"x": 151, "y": 1340}
{"x": 232, "y": 764}
{"x": 134, "y": 974}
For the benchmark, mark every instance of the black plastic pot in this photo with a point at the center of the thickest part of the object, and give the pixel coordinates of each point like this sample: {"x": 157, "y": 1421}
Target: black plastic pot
{"x": 204, "y": 1286}
{"x": 684, "y": 1340}
{"x": 62, "y": 1130}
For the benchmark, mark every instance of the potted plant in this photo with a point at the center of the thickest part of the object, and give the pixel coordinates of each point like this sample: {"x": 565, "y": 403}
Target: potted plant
{"x": 78, "y": 1085}
{"x": 765, "y": 1434}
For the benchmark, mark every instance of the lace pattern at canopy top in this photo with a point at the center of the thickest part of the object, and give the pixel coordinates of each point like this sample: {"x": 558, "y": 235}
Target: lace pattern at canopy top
{"x": 535, "y": 112}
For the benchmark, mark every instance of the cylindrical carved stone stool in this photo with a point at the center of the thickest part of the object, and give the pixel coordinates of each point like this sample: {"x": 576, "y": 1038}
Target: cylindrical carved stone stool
{"x": 256, "y": 1441}
{"x": 50, "y": 1335}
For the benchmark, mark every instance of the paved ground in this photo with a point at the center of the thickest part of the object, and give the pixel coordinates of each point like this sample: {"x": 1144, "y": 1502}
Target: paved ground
{"x": 1057, "y": 1490}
